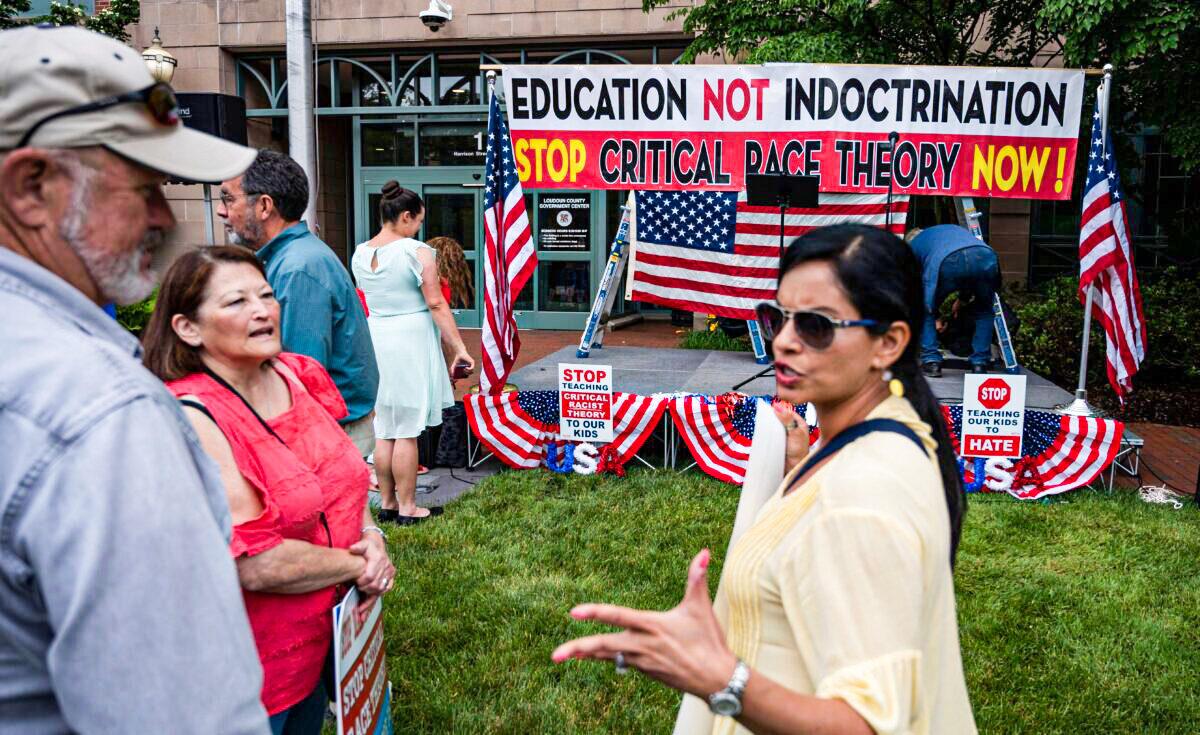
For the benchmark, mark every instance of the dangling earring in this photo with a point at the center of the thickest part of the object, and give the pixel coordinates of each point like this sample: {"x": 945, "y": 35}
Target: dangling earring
{"x": 895, "y": 387}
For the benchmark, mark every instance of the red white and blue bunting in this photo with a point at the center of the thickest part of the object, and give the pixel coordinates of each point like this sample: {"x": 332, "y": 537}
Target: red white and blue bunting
{"x": 521, "y": 429}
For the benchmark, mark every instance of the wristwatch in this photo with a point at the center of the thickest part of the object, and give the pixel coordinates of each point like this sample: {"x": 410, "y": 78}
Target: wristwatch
{"x": 728, "y": 701}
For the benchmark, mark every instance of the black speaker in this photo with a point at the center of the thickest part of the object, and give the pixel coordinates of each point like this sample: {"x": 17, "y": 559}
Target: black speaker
{"x": 222, "y": 115}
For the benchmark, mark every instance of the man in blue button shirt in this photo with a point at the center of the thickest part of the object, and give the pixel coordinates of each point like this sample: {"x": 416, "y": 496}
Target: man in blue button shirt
{"x": 953, "y": 260}
{"x": 120, "y": 607}
{"x": 322, "y": 316}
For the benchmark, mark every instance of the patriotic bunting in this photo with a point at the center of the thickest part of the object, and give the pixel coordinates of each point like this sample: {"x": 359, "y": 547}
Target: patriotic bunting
{"x": 1061, "y": 452}
{"x": 516, "y": 426}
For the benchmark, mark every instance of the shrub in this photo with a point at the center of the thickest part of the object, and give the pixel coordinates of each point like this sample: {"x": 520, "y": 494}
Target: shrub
{"x": 135, "y": 317}
{"x": 1049, "y": 339}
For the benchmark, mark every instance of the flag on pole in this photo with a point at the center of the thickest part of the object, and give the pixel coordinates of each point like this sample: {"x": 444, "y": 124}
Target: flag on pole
{"x": 509, "y": 254}
{"x": 1106, "y": 262}
{"x": 713, "y": 253}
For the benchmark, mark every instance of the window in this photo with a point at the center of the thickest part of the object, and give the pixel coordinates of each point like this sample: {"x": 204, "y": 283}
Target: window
{"x": 388, "y": 145}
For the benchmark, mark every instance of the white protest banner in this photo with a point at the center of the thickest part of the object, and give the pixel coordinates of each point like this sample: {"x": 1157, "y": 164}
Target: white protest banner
{"x": 993, "y": 415}
{"x": 964, "y": 131}
{"x": 364, "y": 694}
{"x": 585, "y": 402}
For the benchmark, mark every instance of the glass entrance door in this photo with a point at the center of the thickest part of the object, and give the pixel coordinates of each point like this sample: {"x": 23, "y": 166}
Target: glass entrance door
{"x": 452, "y": 209}
{"x": 567, "y": 227}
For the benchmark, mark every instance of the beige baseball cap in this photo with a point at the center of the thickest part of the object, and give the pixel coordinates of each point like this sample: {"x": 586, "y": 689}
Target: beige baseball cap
{"x": 45, "y": 70}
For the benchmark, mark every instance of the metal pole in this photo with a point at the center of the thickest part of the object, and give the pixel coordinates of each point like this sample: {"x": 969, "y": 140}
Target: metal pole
{"x": 301, "y": 133}
{"x": 1080, "y": 406}
{"x": 208, "y": 218}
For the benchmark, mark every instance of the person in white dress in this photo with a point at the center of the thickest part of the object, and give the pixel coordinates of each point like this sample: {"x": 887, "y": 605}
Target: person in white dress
{"x": 409, "y": 320}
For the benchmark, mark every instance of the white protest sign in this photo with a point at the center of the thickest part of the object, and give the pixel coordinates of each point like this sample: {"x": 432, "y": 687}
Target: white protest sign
{"x": 993, "y": 415}
{"x": 364, "y": 693}
{"x": 585, "y": 402}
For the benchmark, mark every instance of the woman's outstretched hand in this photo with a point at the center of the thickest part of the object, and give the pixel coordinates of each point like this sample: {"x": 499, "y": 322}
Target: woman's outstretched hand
{"x": 683, "y": 647}
{"x": 797, "y": 434}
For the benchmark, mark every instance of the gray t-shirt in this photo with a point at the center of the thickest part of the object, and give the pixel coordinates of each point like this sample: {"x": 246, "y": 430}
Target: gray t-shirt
{"x": 120, "y": 608}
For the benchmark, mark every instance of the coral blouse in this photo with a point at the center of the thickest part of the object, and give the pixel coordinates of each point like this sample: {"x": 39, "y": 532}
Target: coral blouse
{"x": 312, "y": 483}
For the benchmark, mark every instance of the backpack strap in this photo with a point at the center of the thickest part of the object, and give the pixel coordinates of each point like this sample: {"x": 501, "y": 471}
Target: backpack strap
{"x": 850, "y": 435}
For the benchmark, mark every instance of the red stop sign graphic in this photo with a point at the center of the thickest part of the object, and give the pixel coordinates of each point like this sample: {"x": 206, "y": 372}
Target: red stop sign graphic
{"x": 994, "y": 393}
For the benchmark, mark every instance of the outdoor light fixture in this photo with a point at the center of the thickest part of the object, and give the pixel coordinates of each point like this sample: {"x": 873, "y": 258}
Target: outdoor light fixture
{"x": 161, "y": 62}
{"x": 438, "y": 14}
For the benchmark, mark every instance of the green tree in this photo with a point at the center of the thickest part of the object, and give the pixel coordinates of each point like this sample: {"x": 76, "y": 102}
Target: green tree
{"x": 112, "y": 21}
{"x": 1155, "y": 44}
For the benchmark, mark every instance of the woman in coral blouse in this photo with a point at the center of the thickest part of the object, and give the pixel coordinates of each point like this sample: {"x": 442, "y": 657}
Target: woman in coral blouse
{"x": 297, "y": 487}
{"x": 835, "y": 612}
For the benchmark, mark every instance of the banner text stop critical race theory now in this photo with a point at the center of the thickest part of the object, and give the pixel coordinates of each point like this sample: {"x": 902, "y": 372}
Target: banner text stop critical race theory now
{"x": 989, "y": 132}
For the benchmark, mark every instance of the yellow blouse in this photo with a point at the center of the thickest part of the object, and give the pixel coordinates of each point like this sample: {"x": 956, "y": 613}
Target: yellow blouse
{"x": 843, "y": 589}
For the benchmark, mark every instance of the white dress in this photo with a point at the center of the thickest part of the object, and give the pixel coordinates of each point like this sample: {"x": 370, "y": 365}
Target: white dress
{"x": 414, "y": 385}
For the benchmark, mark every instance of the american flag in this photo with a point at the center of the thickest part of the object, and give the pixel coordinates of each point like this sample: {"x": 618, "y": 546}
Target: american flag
{"x": 1068, "y": 451}
{"x": 515, "y": 426}
{"x": 1106, "y": 263}
{"x": 720, "y": 439}
{"x": 713, "y": 253}
{"x": 509, "y": 258}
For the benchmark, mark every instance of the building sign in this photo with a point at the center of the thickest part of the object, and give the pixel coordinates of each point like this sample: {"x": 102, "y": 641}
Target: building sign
{"x": 993, "y": 415}
{"x": 963, "y": 131}
{"x": 585, "y": 402}
{"x": 565, "y": 222}
{"x": 364, "y": 693}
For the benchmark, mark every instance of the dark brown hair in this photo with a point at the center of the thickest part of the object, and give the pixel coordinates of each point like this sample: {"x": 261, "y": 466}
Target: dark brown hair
{"x": 882, "y": 278}
{"x": 395, "y": 200}
{"x": 182, "y": 292}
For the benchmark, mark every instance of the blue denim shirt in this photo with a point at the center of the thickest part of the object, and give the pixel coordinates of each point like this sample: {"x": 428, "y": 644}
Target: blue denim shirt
{"x": 120, "y": 608}
{"x": 932, "y": 246}
{"x": 322, "y": 316}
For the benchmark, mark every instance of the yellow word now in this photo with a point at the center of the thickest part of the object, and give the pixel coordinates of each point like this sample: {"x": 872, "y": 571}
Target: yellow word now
{"x": 1001, "y": 168}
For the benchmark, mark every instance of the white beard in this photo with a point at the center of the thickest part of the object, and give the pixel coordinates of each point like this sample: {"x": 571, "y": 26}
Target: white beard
{"x": 119, "y": 277}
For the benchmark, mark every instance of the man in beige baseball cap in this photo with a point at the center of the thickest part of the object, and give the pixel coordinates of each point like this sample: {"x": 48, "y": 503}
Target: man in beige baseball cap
{"x": 122, "y": 609}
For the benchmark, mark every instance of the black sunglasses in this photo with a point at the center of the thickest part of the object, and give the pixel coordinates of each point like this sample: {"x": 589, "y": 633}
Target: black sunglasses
{"x": 158, "y": 98}
{"x": 816, "y": 330}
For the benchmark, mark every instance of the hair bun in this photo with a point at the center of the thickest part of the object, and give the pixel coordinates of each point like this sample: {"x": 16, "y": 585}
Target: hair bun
{"x": 391, "y": 189}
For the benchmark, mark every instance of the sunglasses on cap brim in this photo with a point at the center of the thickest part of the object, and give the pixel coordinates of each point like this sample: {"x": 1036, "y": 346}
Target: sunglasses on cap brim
{"x": 159, "y": 100}
{"x": 815, "y": 330}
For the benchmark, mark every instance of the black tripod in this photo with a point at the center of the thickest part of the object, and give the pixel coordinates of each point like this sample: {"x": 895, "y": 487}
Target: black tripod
{"x": 786, "y": 192}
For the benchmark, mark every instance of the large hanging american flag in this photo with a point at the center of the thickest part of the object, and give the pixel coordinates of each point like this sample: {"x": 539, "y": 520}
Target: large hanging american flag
{"x": 515, "y": 426}
{"x": 1106, "y": 263}
{"x": 509, "y": 254}
{"x": 713, "y": 253}
{"x": 1066, "y": 451}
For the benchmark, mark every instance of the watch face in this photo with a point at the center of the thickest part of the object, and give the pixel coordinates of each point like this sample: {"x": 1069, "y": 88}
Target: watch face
{"x": 726, "y": 704}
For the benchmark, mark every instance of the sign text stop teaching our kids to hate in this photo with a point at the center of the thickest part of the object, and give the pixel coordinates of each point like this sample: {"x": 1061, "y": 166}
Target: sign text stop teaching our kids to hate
{"x": 964, "y": 131}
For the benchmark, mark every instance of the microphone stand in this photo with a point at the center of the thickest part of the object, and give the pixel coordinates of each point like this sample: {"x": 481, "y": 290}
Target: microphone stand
{"x": 893, "y": 137}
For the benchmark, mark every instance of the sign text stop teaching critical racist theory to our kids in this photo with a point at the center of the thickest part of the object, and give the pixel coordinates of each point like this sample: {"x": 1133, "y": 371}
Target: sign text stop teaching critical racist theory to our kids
{"x": 993, "y": 415}
{"x": 992, "y": 132}
{"x": 585, "y": 402}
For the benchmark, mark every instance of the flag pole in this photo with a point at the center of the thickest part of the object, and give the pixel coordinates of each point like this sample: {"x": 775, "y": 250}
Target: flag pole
{"x": 1080, "y": 406}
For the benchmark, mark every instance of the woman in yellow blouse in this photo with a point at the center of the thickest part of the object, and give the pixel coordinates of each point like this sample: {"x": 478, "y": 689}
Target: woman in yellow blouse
{"x": 835, "y": 611}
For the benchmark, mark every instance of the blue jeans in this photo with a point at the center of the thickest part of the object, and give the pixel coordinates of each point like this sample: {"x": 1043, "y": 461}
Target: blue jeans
{"x": 304, "y": 717}
{"x": 973, "y": 271}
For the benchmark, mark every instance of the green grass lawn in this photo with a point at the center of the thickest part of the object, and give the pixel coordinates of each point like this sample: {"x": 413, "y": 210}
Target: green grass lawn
{"x": 1080, "y": 616}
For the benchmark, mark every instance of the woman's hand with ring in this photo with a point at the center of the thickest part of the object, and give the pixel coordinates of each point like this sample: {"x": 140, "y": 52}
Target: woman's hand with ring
{"x": 379, "y": 571}
{"x": 797, "y": 433}
{"x": 683, "y": 647}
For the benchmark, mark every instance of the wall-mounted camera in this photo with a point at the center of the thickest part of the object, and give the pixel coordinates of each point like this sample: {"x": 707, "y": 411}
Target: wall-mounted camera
{"x": 438, "y": 14}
